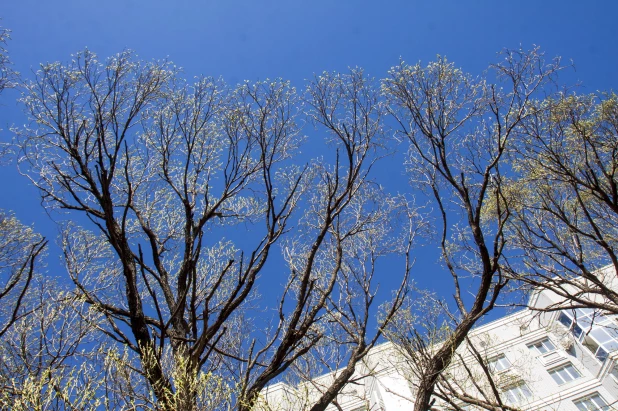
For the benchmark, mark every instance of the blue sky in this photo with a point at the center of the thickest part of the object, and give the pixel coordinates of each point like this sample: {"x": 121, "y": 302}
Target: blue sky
{"x": 294, "y": 39}
{"x": 254, "y": 40}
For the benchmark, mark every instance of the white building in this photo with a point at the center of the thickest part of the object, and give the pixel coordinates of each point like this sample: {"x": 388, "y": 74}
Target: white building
{"x": 559, "y": 360}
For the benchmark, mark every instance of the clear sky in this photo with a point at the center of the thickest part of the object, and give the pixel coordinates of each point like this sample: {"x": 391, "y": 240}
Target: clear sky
{"x": 294, "y": 39}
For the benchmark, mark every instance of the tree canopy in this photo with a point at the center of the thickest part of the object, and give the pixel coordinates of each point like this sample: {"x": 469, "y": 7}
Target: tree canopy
{"x": 206, "y": 257}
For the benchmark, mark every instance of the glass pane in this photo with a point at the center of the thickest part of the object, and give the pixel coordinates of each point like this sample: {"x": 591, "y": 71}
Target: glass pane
{"x": 592, "y": 403}
{"x": 499, "y": 364}
{"x": 556, "y": 376}
{"x": 583, "y": 405}
{"x": 584, "y": 312}
{"x": 598, "y": 401}
{"x": 517, "y": 394}
{"x": 601, "y": 354}
{"x": 510, "y": 397}
{"x": 577, "y": 331}
{"x": 564, "y": 373}
{"x": 601, "y": 335}
{"x": 548, "y": 344}
{"x": 566, "y": 321}
{"x": 573, "y": 371}
{"x": 542, "y": 347}
{"x": 611, "y": 346}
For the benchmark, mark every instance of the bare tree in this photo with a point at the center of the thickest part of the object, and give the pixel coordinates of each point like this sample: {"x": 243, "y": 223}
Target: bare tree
{"x": 20, "y": 246}
{"x": 567, "y": 199}
{"x": 460, "y": 130}
{"x": 48, "y": 358}
{"x": 418, "y": 331}
{"x": 180, "y": 192}
{"x": 7, "y": 76}
{"x": 349, "y": 108}
{"x": 41, "y": 325}
{"x": 20, "y": 250}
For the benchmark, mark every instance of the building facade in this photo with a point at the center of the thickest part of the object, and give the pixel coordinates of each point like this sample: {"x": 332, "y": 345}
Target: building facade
{"x": 559, "y": 359}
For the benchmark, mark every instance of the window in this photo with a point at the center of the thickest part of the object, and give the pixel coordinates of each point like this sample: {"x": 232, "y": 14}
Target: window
{"x": 595, "y": 331}
{"x": 499, "y": 363}
{"x": 517, "y": 394}
{"x": 542, "y": 347}
{"x": 564, "y": 374}
{"x": 591, "y": 403}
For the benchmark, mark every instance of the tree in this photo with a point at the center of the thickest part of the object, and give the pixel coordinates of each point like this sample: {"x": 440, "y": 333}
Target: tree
{"x": 6, "y": 74}
{"x": 34, "y": 314}
{"x": 460, "y": 131}
{"x": 20, "y": 247}
{"x": 468, "y": 380}
{"x": 49, "y": 358}
{"x": 182, "y": 195}
{"x": 567, "y": 199}
{"x": 349, "y": 109}
{"x": 180, "y": 191}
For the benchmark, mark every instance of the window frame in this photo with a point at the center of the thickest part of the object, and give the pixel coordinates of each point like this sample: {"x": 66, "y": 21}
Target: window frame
{"x": 571, "y": 371}
{"x": 518, "y": 392}
{"x": 534, "y": 346}
{"x": 595, "y": 331}
{"x": 499, "y": 360}
{"x": 595, "y": 397}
